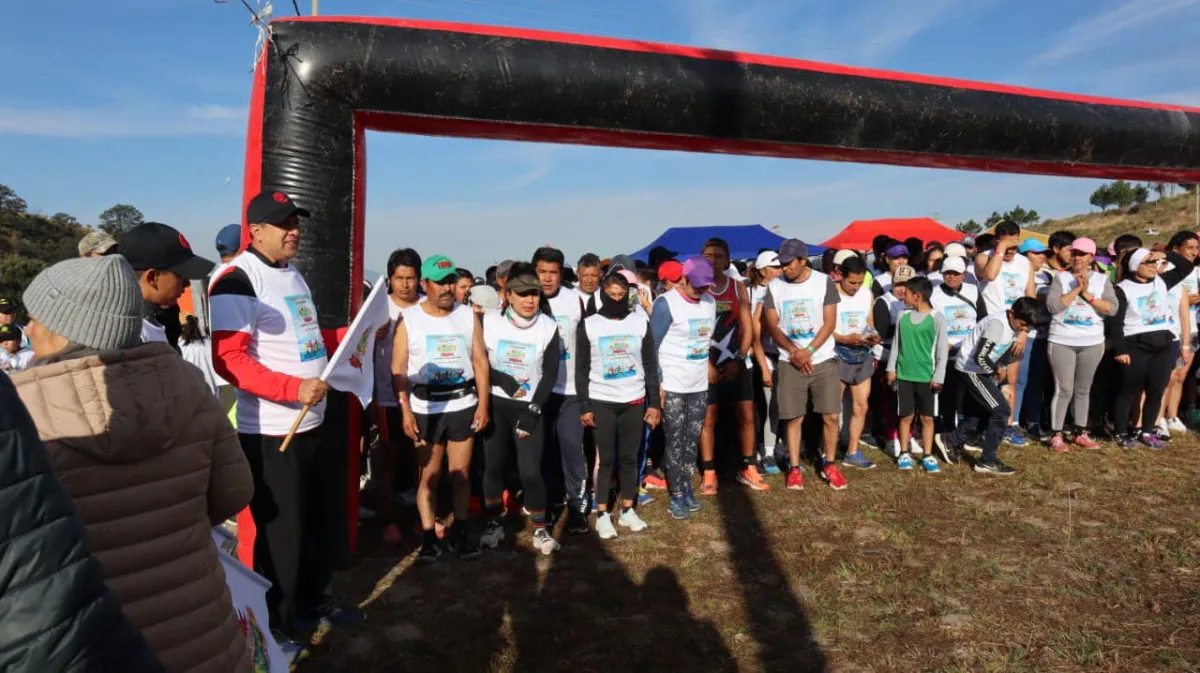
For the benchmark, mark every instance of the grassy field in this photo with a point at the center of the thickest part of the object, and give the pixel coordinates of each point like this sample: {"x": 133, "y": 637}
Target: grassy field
{"x": 1088, "y": 561}
{"x": 1168, "y": 215}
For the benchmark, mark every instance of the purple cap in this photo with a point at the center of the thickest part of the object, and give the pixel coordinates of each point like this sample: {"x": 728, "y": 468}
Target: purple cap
{"x": 898, "y": 250}
{"x": 792, "y": 249}
{"x": 699, "y": 272}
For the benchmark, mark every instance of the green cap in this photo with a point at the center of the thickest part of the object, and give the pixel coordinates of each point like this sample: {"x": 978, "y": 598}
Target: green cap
{"x": 438, "y": 268}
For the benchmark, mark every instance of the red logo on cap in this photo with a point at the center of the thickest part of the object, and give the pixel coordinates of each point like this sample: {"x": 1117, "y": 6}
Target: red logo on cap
{"x": 184, "y": 242}
{"x": 280, "y": 197}
{"x": 444, "y": 264}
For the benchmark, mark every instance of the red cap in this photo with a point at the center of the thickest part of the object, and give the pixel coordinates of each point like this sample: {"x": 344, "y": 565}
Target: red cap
{"x": 670, "y": 271}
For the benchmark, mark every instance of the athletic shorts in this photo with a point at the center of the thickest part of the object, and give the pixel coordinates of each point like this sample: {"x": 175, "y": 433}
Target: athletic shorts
{"x": 740, "y": 389}
{"x": 794, "y": 390}
{"x": 913, "y": 397}
{"x": 854, "y": 374}
{"x": 452, "y": 426}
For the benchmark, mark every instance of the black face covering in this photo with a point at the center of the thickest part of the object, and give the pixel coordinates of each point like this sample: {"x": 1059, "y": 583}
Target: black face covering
{"x": 611, "y": 308}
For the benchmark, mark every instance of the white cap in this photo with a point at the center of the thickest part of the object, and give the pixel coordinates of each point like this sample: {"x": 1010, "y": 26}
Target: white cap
{"x": 956, "y": 250}
{"x": 766, "y": 259}
{"x": 842, "y": 256}
{"x": 954, "y": 264}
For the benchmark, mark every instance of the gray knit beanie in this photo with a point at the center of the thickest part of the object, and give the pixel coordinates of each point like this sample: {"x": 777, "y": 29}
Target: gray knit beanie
{"x": 94, "y": 301}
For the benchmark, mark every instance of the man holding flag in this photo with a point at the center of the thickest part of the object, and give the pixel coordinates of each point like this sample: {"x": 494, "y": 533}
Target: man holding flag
{"x": 264, "y": 323}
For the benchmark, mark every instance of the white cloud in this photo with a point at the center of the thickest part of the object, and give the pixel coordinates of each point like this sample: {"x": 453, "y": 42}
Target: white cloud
{"x": 1096, "y": 31}
{"x": 150, "y": 120}
{"x": 886, "y": 28}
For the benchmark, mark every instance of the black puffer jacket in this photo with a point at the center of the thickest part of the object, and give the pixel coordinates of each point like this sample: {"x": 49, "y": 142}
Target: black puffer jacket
{"x": 56, "y": 614}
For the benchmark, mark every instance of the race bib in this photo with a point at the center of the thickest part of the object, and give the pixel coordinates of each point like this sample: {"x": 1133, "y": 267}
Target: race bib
{"x": 1079, "y": 314}
{"x": 1153, "y": 309}
{"x": 798, "y": 320}
{"x": 304, "y": 321}
{"x": 618, "y": 357}
{"x": 699, "y": 334}
{"x": 447, "y": 354}
{"x": 516, "y": 358}
{"x": 960, "y": 320}
{"x": 1014, "y": 287}
{"x": 564, "y": 330}
{"x": 852, "y": 322}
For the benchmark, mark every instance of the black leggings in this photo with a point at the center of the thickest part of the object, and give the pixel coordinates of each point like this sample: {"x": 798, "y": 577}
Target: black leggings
{"x": 619, "y": 432}
{"x": 499, "y": 440}
{"x": 1148, "y": 371}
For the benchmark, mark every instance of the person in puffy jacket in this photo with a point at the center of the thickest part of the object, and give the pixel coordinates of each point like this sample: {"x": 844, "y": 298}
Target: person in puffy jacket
{"x": 141, "y": 445}
{"x": 56, "y": 614}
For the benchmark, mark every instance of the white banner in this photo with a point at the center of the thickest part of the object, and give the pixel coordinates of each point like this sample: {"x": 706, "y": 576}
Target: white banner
{"x": 248, "y": 591}
{"x": 352, "y": 367}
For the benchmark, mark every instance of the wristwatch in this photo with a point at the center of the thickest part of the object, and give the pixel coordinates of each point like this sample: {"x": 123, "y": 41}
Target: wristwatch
{"x": 535, "y": 410}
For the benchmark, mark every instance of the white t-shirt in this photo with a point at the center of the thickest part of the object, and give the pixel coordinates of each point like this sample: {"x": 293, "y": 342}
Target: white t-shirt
{"x": 1009, "y": 285}
{"x": 199, "y": 355}
{"x": 617, "y": 373}
{"x": 385, "y": 396}
{"x": 853, "y": 311}
{"x": 1175, "y": 295}
{"x": 153, "y": 332}
{"x": 518, "y": 352}
{"x": 959, "y": 311}
{"x": 993, "y": 327}
{"x": 1041, "y": 287}
{"x": 801, "y": 309}
{"x": 19, "y": 361}
{"x": 1147, "y": 307}
{"x": 683, "y": 353}
{"x": 567, "y": 307}
{"x": 439, "y": 354}
{"x": 1079, "y": 325}
{"x": 285, "y": 337}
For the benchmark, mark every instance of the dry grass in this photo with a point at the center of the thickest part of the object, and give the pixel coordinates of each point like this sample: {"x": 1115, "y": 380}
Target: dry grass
{"x": 1082, "y": 562}
{"x": 1168, "y": 216}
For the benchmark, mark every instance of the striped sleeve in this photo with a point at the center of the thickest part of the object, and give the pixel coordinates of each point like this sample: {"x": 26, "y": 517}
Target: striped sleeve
{"x": 235, "y": 307}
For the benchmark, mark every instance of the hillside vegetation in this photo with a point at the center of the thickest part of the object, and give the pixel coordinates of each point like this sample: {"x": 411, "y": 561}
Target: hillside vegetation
{"x": 1166, "y": 215}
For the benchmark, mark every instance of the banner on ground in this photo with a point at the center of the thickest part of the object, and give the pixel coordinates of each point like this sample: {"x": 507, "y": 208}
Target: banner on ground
{"x": 352, "y": 367}
{"x": 248, "y": 592}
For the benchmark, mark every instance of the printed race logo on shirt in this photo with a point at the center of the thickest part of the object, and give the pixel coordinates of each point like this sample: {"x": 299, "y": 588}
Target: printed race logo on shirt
{"x": 1079, "y": 314}
{"x": 304, "y": 322}
{"x": 447, "y": 354}
{"x": 564, "y": 328}
{"x": 1014, "y": 287}
{"x": 516, "y": 359}
{"x": 852, "y": 322}
{"x": 618, "y": 357}
{"x": 797, "y": 319}
{"x": 1153, "y": 309}
{"x": 699, "y": 333}
{"x": 724, "y": 306}
{"x": 960, "y": 320}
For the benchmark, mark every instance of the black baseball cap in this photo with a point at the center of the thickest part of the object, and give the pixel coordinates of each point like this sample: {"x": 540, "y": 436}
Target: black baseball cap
{"x": 7, "y": 307}
{"x": 154, "y": 245}
{"x": 659, "y": 254}
{"x": 272, "y": 207}
{"x": 9, "y": 333}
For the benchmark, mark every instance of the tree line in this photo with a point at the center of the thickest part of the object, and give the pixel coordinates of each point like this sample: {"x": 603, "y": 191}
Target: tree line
{"x": 1119, "y": 194}
{"x": 29, "y": 242}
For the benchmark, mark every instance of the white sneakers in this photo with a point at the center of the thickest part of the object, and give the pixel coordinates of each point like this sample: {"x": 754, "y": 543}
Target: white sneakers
{"x": 544, "y": 542}
{"x": 628, "y": 519}
{"x": 1176, "y": 426}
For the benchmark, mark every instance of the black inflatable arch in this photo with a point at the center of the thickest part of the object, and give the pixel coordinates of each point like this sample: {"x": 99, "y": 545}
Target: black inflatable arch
{"x": 322, "y": 83}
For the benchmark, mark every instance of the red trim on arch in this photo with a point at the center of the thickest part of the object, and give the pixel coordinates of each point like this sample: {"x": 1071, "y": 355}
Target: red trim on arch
{"x": 252, "y": 176}
{"x": 357, "y": 243}
{"x": 469, "y": 128}
{"x": 737, "y": 57}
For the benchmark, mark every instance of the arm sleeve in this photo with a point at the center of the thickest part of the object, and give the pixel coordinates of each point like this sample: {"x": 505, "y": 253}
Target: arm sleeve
{"x": 831, "y": 292}
{"x": 583, "y": 367}
{"x": 1054, "y": 296}
{"x": 660, "y": 324}
{"x": 883, "y": 319}
{"x": 1182, "y": 268}
{"x": 941, "y": 349}
{"x": 234, "y": 308}
{"x": 59, "y": 614}
{"x": 987, "y": 346}
{"x": 876, "y": 289}
{"x": 550, "y": 364}
{"x": 893, "y": 353}
{"x": 650, "y": 364}
{"x": 769, "y": 301}
{"x": 1109, "y": 295}
{"x": 1116, "y": 326}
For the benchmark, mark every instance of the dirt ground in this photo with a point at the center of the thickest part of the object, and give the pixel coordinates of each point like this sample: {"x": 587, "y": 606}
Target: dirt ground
{"x": 1088, "y": 561}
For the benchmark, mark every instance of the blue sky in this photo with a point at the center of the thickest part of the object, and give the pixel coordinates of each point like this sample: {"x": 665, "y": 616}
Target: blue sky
{"x": 144, "y": 102}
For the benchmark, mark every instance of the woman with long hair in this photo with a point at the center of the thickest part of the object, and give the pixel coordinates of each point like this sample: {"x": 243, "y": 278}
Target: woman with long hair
{"x": 395, "y": 448}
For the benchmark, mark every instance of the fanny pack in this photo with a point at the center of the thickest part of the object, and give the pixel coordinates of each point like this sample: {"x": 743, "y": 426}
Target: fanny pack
{"x": 853, "y": 355}
{"x": 430, "y": 393}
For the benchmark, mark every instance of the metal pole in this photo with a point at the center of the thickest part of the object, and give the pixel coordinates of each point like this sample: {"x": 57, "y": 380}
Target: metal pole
{"x": 316, "y": 7}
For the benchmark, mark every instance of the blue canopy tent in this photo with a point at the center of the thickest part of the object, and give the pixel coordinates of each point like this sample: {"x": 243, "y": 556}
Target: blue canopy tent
{"x": 745, "y": 241}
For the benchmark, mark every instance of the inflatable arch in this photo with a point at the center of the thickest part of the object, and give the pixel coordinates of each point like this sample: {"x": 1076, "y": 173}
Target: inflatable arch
{"x": 321, "y": 83}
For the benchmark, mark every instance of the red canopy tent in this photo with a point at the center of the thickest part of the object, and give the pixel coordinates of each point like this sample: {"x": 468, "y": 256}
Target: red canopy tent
{"x": 859, "y": 233}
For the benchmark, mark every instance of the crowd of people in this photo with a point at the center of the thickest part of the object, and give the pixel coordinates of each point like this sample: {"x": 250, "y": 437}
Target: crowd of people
{"x": 551, "y": 391}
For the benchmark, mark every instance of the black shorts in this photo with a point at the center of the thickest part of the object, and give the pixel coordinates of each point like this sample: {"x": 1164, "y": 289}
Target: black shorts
{"x": 453, "y": 426}
{"x": 915, "y": 397}
{"x": 739, "y": 389}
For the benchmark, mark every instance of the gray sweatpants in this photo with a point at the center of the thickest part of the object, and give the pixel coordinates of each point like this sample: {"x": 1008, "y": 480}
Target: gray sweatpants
{"x": 1073, "y": 367}
{"x": 683, "y": 419}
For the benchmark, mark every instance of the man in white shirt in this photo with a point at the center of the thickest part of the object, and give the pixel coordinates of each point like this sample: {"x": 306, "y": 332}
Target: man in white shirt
{"x": 13, "y": 357}
{"x": 165, "y": 264}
